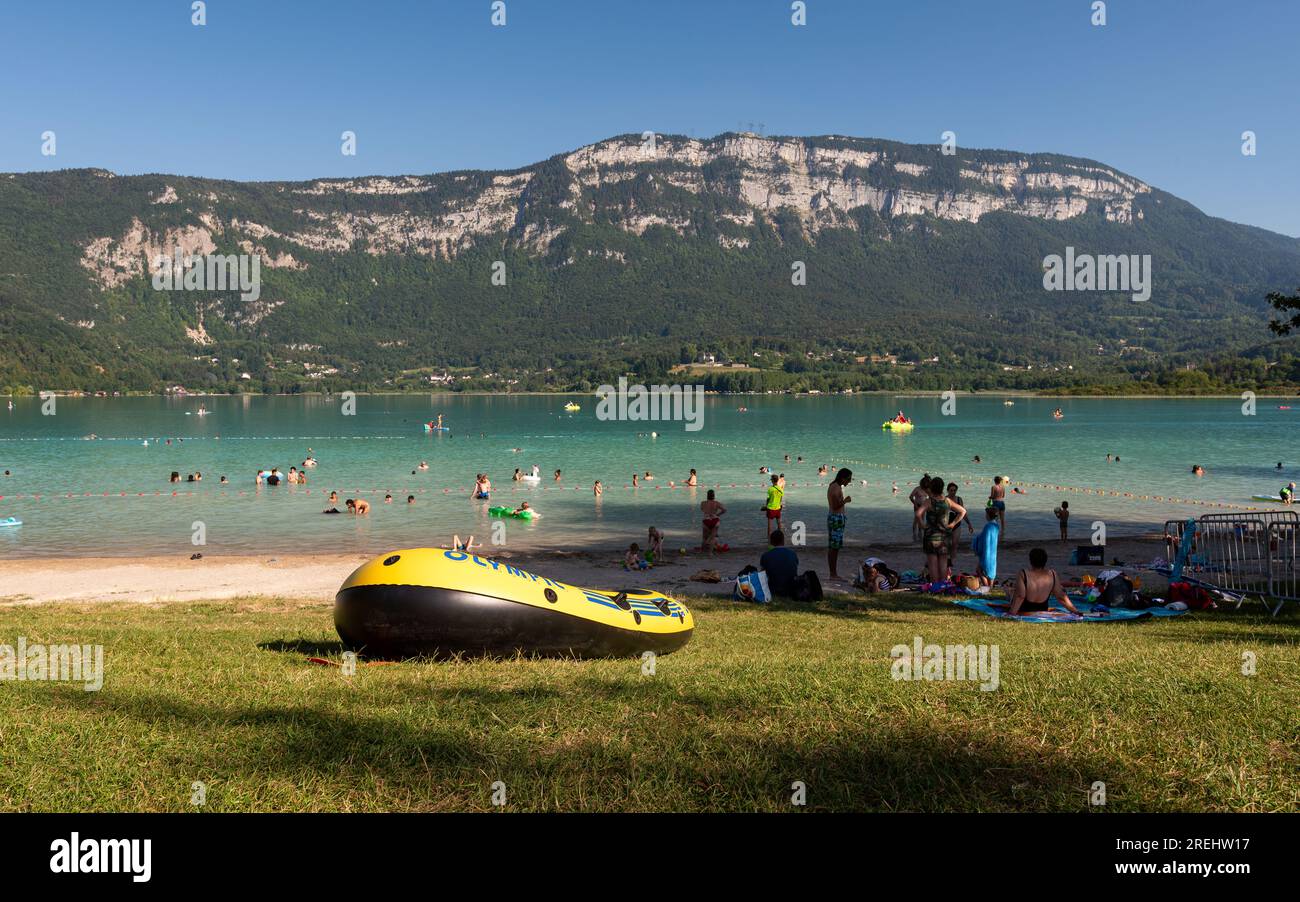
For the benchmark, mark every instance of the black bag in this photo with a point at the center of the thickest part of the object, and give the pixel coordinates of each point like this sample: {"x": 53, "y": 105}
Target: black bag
{"x": 1119, "y": 593}
{"x": 808, "y": 587}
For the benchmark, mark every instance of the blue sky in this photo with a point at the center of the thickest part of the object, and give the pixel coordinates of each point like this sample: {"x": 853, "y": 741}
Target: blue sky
{"x": 264, "y": 90}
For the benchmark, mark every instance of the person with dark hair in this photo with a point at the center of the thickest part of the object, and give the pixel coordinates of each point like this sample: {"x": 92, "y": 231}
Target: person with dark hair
{"x": 1036, "y": 587}
{"x": 781, "y": 564}
{"x": 937, "y": 516}
{"x": 956, "y": 527}
{"x": 998, "y": 501}
{"x": 835, "y": 519}
{"x": 917, "y": 496}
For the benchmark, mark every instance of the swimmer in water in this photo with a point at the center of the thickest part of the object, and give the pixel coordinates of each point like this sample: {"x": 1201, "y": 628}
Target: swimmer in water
{"x": 557, "y": 475}
{"x": 388, "y": 499}
{"x": 598, "y": 489}
{"x": 692, "y": 480}
{"x": 422, "y": 466}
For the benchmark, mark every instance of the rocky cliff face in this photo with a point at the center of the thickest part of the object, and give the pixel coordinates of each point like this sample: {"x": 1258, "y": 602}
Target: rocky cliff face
{"x": 632, "y": 183}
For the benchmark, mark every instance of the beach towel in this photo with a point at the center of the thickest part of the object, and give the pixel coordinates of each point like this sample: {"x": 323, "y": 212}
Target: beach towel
{"x": 1061, "y": 615}
{"x": 985, "y": 546}
{"x": 1184, "y": 550}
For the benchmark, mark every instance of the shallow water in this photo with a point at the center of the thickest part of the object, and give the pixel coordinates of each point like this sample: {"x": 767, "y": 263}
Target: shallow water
{"x": 375, "y": 450}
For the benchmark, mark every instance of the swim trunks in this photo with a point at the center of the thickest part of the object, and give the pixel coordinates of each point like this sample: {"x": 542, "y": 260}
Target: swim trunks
{"x": 482, "y": 496}
{"x": 773, "y": 514}
{"x": 835, "y": 527}
{"x": 997, "y": 504}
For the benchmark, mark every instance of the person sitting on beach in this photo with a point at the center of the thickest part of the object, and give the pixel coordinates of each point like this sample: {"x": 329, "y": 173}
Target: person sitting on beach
{"x": 713, "y": 511}
{"x": 1063, "y": 514}
{"x": 876, "y": 576}
{"x": 1036, "y": 587}
{"x": 692, "y": 480}
{"x": 656, "y": 541}
{"x": 781, "y": 565}
{"x": 633, "y": 560}
{"x": 468, "y": 545}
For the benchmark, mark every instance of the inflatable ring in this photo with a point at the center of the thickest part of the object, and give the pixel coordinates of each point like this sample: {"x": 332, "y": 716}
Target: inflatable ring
{"x": 430, "y": 602}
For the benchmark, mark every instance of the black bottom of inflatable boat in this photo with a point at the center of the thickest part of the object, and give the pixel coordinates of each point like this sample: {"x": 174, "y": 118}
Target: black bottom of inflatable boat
{"x": 418, "y": 621}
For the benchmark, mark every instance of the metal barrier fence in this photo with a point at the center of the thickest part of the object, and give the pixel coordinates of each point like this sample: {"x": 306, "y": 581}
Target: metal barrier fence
{"x": 1245, "y": 554}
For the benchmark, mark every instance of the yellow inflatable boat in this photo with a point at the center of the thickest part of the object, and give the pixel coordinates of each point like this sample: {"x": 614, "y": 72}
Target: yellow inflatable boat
{"x": 428, "y": 601}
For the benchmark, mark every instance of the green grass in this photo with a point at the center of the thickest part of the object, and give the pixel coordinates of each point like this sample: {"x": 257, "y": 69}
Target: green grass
{"x": 222, "y": 693}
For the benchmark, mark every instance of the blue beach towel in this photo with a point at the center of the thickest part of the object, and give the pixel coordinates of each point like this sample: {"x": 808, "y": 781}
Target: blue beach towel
{"x": 985, "y": 546}
{"x": 999, "y": 608}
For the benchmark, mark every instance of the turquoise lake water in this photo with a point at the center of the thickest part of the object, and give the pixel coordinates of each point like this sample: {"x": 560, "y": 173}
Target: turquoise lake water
{"x": 375, "y": 450}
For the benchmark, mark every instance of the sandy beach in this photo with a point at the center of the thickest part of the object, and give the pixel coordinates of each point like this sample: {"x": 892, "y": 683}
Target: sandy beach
{"x": 175, "y": 578}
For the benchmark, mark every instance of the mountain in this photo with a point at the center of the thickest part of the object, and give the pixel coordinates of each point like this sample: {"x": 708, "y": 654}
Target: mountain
{"x": 922, "y": 270}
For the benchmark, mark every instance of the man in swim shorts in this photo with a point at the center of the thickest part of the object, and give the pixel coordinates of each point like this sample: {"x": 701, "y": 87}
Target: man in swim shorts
{"x": 997, "y": 501}
{"x": 835, "y": 519}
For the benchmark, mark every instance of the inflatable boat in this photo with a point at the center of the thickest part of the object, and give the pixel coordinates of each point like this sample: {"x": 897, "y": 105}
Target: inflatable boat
{"x": 572, "y": 407}
{"x": 430, "y": 602}
{"x": 895, "y": 426}
{"x": 511, "y": 512}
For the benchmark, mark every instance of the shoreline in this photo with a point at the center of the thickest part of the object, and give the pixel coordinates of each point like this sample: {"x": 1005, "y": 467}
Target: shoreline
{"x": 1047, "y": 394}
{"x": 149, "y": 579}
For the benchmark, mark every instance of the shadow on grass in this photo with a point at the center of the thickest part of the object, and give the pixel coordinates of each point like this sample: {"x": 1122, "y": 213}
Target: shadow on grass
{"x": 306, "y": 647}
{"x": 868, "y": 766}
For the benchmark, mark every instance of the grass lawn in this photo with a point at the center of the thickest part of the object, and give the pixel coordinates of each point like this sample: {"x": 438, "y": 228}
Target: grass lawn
{"x": 222, "y": 693}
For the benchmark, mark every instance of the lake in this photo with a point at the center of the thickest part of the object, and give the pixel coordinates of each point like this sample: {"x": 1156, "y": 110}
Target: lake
{"x": 110, "y": 495}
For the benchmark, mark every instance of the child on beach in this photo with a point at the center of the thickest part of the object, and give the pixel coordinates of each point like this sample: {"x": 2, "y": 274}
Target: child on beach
{"x": 656, "y": 550}
{"x": 633, "y": 560}
{"x": 997, "y": 501}
{"x": 1063, "y": 514}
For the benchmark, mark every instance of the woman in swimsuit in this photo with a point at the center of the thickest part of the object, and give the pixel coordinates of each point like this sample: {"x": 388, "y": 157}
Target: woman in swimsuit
{"x": 1037, "y": 586}
{"x": 713, "y": 511}
{"x": 938, "y": 515}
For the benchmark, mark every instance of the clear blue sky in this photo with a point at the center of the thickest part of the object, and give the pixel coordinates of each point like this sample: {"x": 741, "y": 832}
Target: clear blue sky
{"x": 264, "y": 90}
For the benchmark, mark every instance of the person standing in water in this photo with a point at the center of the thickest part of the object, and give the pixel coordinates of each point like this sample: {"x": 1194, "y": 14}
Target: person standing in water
{"x": 835, "y": 519}
{"x": 712, "y": 510}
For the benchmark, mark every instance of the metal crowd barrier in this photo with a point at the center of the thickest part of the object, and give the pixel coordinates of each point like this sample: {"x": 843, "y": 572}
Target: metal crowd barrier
{"x": 1245, "y": 554}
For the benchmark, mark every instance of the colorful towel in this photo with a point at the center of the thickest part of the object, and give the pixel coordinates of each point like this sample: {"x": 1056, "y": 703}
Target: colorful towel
{"x": 1061, "y": 615}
